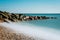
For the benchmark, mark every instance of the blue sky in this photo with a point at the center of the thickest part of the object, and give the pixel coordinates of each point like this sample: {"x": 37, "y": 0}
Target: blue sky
{"x": 30, "y": 6}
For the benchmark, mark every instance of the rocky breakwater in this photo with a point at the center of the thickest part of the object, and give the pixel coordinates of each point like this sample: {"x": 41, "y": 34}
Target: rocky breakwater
{"x": 14, "y": 17}
{"x": 10, "y": 34}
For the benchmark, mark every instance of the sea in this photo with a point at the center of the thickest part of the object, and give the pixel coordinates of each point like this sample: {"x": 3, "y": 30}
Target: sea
{"x": 50, "y": 23}
{"x": 48, "y": 29}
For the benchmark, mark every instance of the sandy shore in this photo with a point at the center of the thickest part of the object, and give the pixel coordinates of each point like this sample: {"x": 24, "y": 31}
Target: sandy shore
{"x": 16, "y": 31}
{"x": 7, "y": 34}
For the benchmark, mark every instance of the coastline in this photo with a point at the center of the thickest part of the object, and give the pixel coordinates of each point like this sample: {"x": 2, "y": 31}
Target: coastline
{"x": 26, "y": 32}
{"x": 9, "y": 34}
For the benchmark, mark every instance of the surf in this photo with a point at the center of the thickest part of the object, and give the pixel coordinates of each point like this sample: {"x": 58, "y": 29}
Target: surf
{"x": 38, "y": 33}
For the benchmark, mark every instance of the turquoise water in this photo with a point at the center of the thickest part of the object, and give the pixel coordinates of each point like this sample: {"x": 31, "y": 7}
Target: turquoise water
{"x": 50, "y": 23}
{"x": 40, "y": 29}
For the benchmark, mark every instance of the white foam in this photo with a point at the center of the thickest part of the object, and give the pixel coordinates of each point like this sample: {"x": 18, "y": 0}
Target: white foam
{"x": 37, "y": 32}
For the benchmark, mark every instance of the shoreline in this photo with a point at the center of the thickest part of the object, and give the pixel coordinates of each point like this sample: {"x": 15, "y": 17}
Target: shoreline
{"x": 32, "y": 32}
{"x": 8, "y": 34}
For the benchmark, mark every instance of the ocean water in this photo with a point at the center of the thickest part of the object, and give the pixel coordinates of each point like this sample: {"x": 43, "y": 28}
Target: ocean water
{"x": 50, "y": 23}
{"x": 39, "y": 29}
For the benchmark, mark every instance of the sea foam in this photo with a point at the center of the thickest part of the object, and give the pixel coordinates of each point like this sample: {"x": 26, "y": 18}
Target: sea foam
{"x": 39, "y": 33}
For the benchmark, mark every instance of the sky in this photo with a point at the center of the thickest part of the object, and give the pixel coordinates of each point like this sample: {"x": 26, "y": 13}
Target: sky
{"x": 30, "y": 6}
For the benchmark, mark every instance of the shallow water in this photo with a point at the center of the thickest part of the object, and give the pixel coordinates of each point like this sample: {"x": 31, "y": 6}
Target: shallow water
{"x": 34, "y": 31}
{"x": 39, "y": 29}
{"x": 50, "y": 23}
